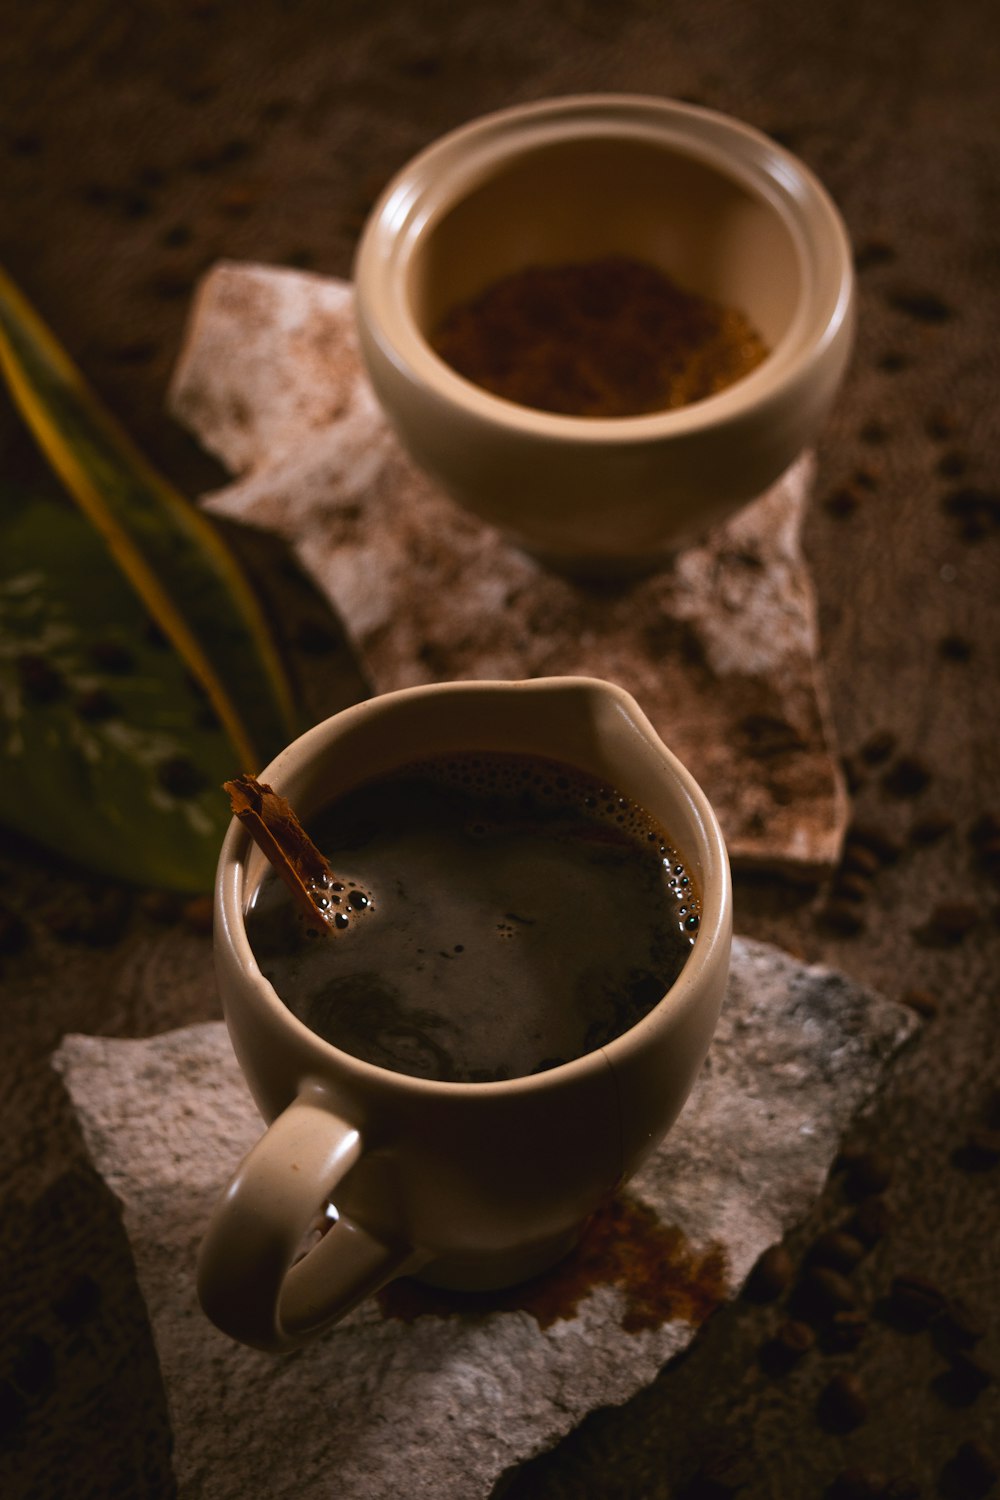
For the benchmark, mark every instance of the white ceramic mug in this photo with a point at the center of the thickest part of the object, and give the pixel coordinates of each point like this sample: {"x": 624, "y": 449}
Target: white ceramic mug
{"x": 722, "y": 210}
{"x": 466, "y": 1185}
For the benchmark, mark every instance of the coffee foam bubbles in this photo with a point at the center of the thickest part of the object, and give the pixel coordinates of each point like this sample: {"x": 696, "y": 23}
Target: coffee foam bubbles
{"x": 508, "y": 776}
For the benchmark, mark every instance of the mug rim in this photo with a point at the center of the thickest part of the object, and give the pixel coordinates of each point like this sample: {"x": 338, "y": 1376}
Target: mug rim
{"x": 447, "y": 167}
{"x": 713, "y": 934}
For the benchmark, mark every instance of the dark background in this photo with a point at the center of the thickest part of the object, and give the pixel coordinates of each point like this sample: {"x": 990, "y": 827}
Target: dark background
{"x": 139, "y": 143}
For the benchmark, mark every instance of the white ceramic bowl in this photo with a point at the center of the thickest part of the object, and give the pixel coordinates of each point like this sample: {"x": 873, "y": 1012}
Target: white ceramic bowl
{"x": 722, "y": 209}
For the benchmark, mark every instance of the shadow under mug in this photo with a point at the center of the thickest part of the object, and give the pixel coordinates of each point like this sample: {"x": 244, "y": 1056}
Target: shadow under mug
{"x": 465, "y": 1185}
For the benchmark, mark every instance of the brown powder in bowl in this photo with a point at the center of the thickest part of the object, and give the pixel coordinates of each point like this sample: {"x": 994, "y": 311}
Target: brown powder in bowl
{"x": 604, "y": 338}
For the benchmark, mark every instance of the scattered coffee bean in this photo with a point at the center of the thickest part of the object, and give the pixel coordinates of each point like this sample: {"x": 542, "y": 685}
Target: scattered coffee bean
{"x": 843, "y": 501}
{"x": 842, "y": 1404}
{"x": 952, "y": 465}
{"x": 930, "y": 827}
{"x": 96, "y": 706}
{"x": 965, "y": 1381}
{"x": 25, "y": 143}
{"x": 875, "y": 433}
{"x": 836, "y": 1249}
{"x": 940, "y": 426}
{"x": 878, "y": 747}
{"x": 203, "y": 162}
{"x": 871, "y": 1221}
{"x": 865, "y": 1170}
{"x": 771, "y": 1276}
{"x": 134, "y": 352}
{"x": 948, "y": 924}
{"x": 237, "y": 148}
{"x": 854, "y": 888}
{"x": 176, "y": 236}
{"x": 970, "y": 1473}
{"x": 238, "y": 199}
{"x": 199, "y": 88}
{"x": 787, "y": 1346}
{"x": 135, "y": 205}
{"x": 856, "y": 1484}
{"x": 41, "y": 682}
{"x": 958, "y": 1326}
{"x": 955, "y": 648}
{"x": 278, "y": 108}
{"x": 854, "y": 776}
{"x": 859, "y": 860}
{"x": 922, "y": 306}
{"x": 151, "y": 176}
{"x": 976, "y": 510}
{"x": 986, "y": 828}
{"x": 841, "y": 917}
{"x": 197, "y": 914}
{"x": 179, "y": 776}
{"x": 906, "y": 778}
{"x": 161, "y": 906}
{"x": 844, "y": 1332}
{"x": 980, "y": 1151}
{"x": 422, "y": 65}
{"x": 822, "y": 1293}
{"x": 723, "y": 1474}
{"x": 79, "y": 1302}
{"x": 913, "y": 1301}
{"x": 873, "y": 253}
{"x": 98, "y": 194}
{"x": 300, "y": 257}
{"x": 768, "y": 735}
{"x": 922, "y": 1001}
{"x": 169, "y": 282}
{"x": 111, "y": 656}
{"x": 883, "y": 845}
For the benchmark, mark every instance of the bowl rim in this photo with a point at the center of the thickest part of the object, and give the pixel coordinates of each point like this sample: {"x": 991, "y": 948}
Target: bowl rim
{"x": 444, "y": 171}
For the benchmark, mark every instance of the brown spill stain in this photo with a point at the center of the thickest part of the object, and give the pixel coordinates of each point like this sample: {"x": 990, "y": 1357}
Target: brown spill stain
{"x": 663, "y": 1277}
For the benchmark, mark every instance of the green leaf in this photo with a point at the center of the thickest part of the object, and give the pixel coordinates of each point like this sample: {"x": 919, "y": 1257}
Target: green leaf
{"x": 111, "y": 754}
{"x": 172, "y": 555}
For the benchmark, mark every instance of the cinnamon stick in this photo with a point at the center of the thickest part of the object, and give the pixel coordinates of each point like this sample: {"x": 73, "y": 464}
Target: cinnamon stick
{"x": 326, "y": 900}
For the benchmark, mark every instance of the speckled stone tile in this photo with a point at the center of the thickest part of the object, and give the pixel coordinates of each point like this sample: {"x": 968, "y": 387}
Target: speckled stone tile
{"x": 425, "y": 1394}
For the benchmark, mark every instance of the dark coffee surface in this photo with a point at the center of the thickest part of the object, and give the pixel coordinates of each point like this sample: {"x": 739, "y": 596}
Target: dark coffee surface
{"x": 523, "y": 915}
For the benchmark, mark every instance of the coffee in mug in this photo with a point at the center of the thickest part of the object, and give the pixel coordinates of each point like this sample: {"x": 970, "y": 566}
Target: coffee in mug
{"x": 523, "y": 913}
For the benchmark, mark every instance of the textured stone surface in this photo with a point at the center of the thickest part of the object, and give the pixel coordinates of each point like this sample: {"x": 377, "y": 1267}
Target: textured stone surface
{"x": 720, "y": 648}
{"x": 474, "y": 1388}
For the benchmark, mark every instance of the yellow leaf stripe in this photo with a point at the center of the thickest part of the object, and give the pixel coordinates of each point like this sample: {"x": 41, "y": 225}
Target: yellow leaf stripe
{"x": 154, "y": 535}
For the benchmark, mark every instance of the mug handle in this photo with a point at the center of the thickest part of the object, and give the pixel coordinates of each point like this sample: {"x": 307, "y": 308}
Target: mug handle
{"x": 250, "y": 1282}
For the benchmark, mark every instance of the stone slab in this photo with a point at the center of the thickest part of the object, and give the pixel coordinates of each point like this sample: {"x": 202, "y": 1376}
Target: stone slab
{"x": 430, "y": 1395}
{"x": 721, "y": 648}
